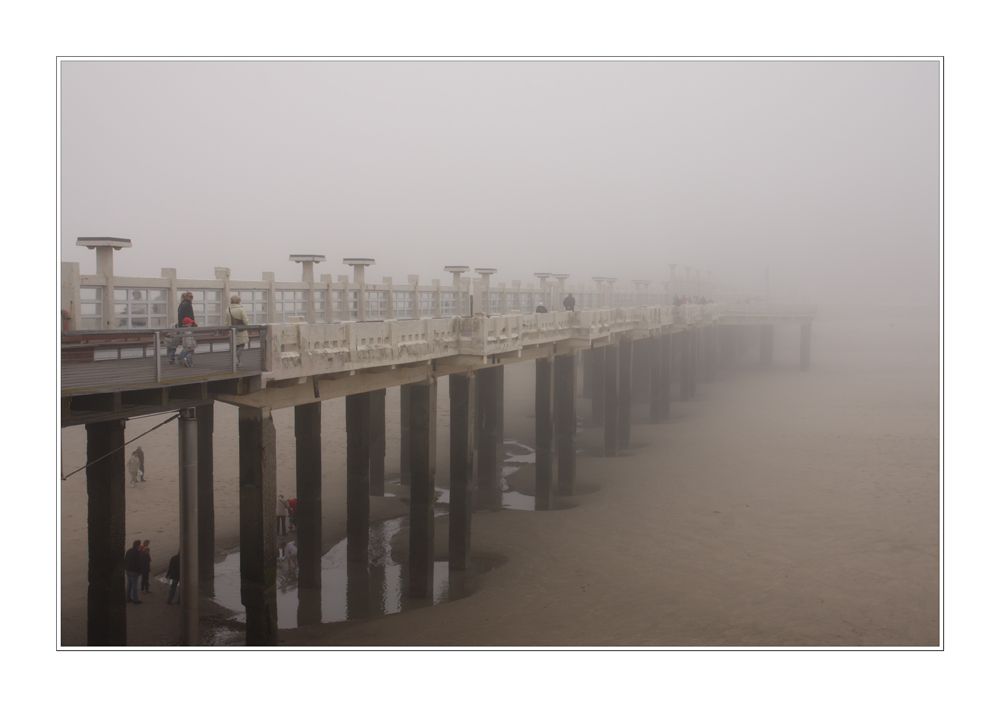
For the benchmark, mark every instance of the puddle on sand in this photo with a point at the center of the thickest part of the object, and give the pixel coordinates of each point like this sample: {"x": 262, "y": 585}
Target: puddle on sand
{"x": 349, "y": 591}
{"x": 514, "y": 499}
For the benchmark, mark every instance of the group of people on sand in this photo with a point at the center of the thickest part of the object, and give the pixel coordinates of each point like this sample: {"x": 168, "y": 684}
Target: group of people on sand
{"x": 136, "y": 467}
{"x": 138, "y": 562}
{"x": 181, "y": 338}
{"x": 286, "y": 511}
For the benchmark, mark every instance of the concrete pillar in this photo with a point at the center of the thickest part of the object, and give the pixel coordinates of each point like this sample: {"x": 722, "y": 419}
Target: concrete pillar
{"x": 258, "y": 540}
{"x": 358, "y": 414}
{"x": 642, "y": 364}
{"x": 611, "y": 407}
{"x": 488, "y": 492}
{"x": 308, "y": 491}
{"x": 692, "y": 360}
{"x": 597, "y": 398}
{"x": 624, "y": 392}
{"x": 376, "y": 438}
{"x": 766, "y": 345}
{"x": 499, "y": 370}
{"x": 206, "y": 499}
{"x": 187, "y": 444}
{"x": 805, "y": 345}
{"x": 543, "y": 433}
{"x": 461, "y": 394}
{"x": 404, "y": 435}
{"x": 565, "y": 409}
{"x": 423, "y": 452}
{"x": 683, "y": 341}
{"x": 655, "y": 379}
{"x": 666, "y": 373}
{"x": 106, "y": 534}
{"x": 587, "y": 355}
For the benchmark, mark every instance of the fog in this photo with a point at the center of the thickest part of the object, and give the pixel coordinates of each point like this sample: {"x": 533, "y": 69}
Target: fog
{"x": 824, "y": 173}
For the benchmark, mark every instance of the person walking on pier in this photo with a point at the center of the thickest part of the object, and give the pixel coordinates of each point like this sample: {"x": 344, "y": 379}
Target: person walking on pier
{"x": 132, "y": 465}
{"x": 174, "y": 575}
{"x": 187, "y": 355}
{"x": 146, "y": 561}
{"x": 570, "y": 302}
{"x": 173, "y": 341}
{"x": 185, "y": 310}
{"x": 235, "y": 314}
{"x": 282, "y": 510}
{"x": 133, "y": 568}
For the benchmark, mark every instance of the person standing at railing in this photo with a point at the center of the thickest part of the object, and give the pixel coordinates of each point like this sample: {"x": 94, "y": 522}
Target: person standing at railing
{"x": 185, "y": 310}
{"x": 173, "y": 341}
{"x": 570, "y": 302}
{"x": 187, "y": 355}
{"x": 236, "y": 315}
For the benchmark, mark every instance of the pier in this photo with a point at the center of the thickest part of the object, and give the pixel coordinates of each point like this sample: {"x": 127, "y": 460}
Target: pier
{"x": 312, "y": 341}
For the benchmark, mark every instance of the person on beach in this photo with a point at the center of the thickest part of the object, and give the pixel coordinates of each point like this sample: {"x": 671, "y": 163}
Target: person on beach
{"x": 146, "y": 562}
{"x": 293, "y": 507}
{"x": 174, "y": 575}
{"x": 282, "y": 511}
{"x": 132, "y": 466}
{"x": 570, "y": 302}
{"x": 133, "y": 568}
{"x": 185, "y": 310}
{"x": 236, "y": 315}
{"x": 142, "y": 468}
{"x": 291, "y": 554}
{"x": 187, "y": 355}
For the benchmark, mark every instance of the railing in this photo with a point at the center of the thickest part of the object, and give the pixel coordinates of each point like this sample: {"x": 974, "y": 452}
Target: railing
{"x": 136, "y": 358}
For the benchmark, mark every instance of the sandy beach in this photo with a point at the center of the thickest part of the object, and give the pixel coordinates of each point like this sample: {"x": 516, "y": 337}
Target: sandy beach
{"x": 775, "y": 508}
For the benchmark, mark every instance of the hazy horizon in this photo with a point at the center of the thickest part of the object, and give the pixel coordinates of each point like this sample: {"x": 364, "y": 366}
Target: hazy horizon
{"x": 827, "y": 173}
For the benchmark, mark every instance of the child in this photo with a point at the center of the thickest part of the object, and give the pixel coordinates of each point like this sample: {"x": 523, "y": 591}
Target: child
{"x": 189, "y": 342}
{"x": 173, "y": 342}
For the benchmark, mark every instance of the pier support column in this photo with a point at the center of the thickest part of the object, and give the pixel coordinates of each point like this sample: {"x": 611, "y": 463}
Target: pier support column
{"x": 641, "y": 370}
{"x": 258, "y": 540}
{"x": 684, "y": 343}
{"x": 611, "y": 406}
{"x": 625, "y": 347}
{"x": 187, "y": 445}
{"x": 499, "y": 397}
{"x": 766, "y": 345}
{"x": 565, "y": 408}
{"x": 587, "y": 356}
{"x": 358, "y": 412}
{"x": 309, "y": 492}
{"x": 206, "y": 499}
{"x": 543, "y": 433}
{"x": 597, "y": 391}
{"x": 488, "y": 492}
{"x": 805, "y": 345}
{"x": 423, "y": 453}
{"x": 404, "y": 435}
{"x": 106, "y": 534}
{"x": 461, "y": 398}
{"x": 655, "y": 379}
{"x": 666, "y": 362}
{"x": 693, "y": 367}
{"x": 376, "y": 432}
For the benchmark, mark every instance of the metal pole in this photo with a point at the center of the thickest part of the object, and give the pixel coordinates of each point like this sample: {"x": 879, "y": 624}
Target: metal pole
{"x": 187, "y": 439}
{"x": 156, "y": 355}
{"x": 232, "y": 346}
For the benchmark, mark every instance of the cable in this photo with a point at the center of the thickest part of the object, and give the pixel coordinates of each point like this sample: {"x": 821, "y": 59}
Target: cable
{"x": 170, "y": 419}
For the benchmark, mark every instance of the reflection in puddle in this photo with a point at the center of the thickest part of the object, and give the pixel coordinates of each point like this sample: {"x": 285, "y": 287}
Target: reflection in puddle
{"x": 511, "y": 463}
{"x": 349, "y": 590}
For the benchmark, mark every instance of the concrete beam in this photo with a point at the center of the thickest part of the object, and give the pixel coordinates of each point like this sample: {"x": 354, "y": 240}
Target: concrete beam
{"x": 461, "y": 393}
{"x": 423, "y": 453}
{"x": 309, "y": 492}
{"x": 543, "y": 433}
{"x": 358, "y": 414}
{"x": 206, "y": 498}
{"x": 565, "y": 419}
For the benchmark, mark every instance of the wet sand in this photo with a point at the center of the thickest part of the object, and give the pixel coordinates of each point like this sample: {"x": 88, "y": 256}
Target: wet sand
{"x": 775, "y": 508}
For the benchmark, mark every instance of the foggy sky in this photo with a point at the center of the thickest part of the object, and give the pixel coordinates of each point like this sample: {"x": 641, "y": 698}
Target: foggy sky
{"x": 825, "y": 171}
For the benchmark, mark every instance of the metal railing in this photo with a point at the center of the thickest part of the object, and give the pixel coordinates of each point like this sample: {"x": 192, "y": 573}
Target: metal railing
{"x": 109, "y": 360}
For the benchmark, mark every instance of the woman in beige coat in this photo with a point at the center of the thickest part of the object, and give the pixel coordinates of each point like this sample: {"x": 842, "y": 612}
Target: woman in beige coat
{"x": 237, "y": 316}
